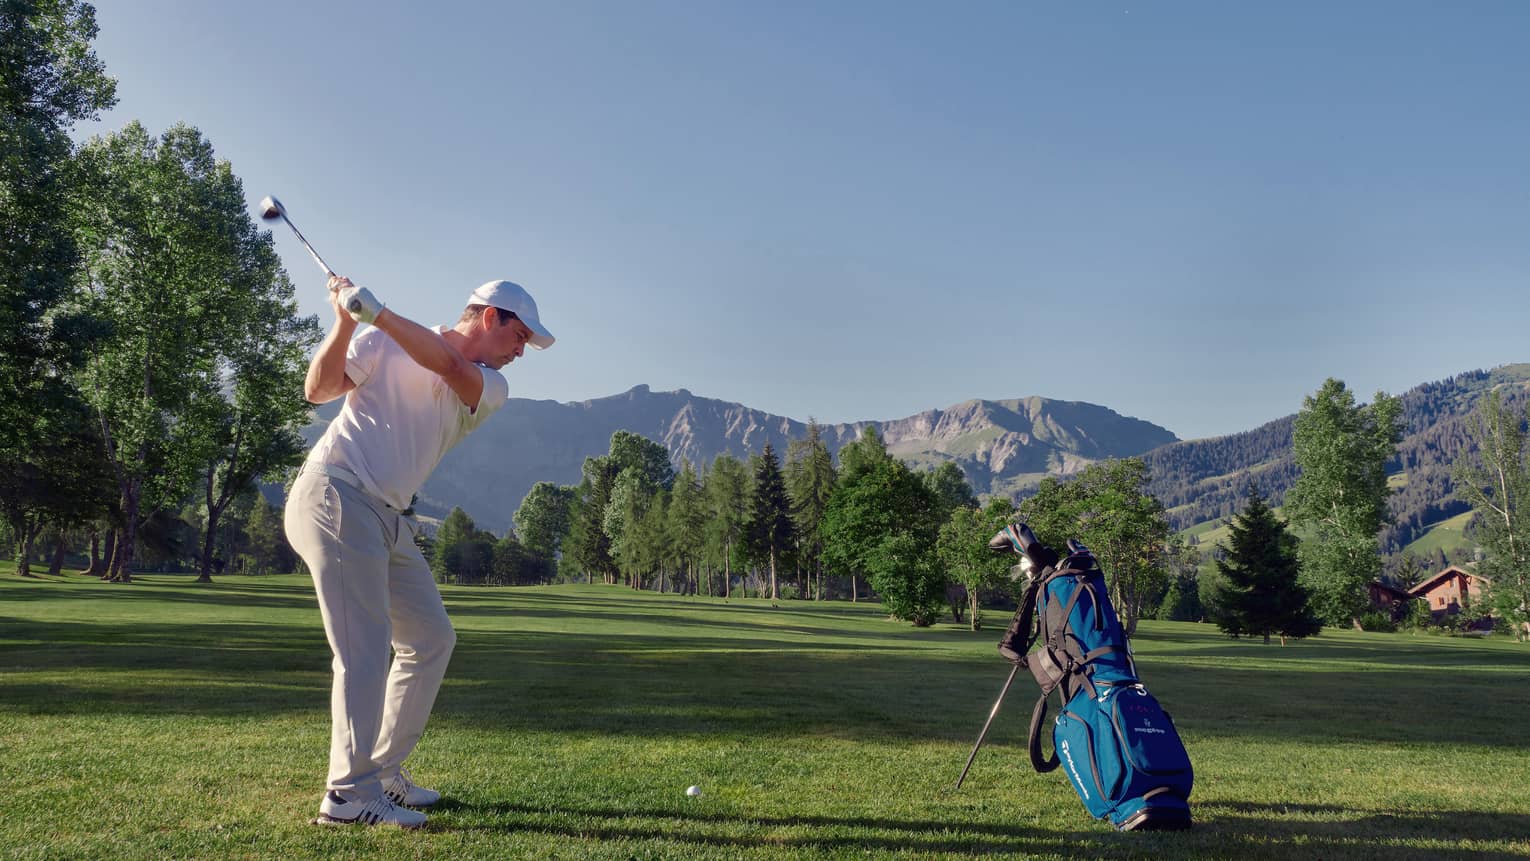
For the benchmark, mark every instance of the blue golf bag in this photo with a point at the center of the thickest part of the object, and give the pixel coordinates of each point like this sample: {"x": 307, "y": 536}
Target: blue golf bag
{"x": 1117, "y": 745}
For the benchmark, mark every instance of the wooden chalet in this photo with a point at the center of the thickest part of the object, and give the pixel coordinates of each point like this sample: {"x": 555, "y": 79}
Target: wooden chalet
{"x": 1389, "y": 599}
{"x": 1449, "y": 591}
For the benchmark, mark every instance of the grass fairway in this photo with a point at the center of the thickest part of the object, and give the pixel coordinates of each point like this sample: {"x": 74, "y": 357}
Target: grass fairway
{"x": 167, "y": 720}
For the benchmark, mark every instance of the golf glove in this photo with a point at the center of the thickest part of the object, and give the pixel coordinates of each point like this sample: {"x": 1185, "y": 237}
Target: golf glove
{"x": 361, "y": 304}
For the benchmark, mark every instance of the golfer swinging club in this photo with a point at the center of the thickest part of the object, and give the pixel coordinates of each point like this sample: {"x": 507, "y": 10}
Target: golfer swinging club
{"x": 411, "y": 394}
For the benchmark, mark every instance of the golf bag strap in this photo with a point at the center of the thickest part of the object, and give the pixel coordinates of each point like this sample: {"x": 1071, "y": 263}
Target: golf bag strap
{"x": 1101, "y": 652}
{"x": 1039, "y": 717}
{"x": 1028, "y": 624}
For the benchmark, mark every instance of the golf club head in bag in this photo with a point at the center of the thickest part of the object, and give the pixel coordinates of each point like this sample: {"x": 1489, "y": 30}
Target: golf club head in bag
{"x": 1019, "y": 538}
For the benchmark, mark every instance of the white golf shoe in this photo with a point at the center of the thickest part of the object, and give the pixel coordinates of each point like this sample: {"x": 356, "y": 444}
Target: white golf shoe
{"x": 335, "y": 810}
{"x": 402, "y": 790}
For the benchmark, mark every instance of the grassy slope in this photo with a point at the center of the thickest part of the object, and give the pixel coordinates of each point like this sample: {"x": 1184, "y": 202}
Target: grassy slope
{"x": 1448, "y": 534}
{"x": 165, "y": 720}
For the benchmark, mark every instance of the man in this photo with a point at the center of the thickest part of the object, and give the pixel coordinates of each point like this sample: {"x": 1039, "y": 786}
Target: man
{"x": 411, "y": 393}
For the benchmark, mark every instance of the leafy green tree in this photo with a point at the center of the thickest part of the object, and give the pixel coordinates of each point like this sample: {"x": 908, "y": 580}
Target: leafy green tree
{"x": 1108, "y": 507}
{"x": 904, "y": 571}
{"x": 50, "y": 79}
{"x": 514, "y": 564}
{"x": 1496, "y": 483}
{"x": 458, "y": 528}
{"x": 810, "y": 480}
{"x": 543, "y": 518}
{"x": 268, "y": 547}
{"x": 1340, "y": 498}
{"x": 155, "y": 221}
{"x": 651, "y": 548}
{"x": 770, "y": 515}
{"x": 1182, "y": 603}
{"x": 879, "y": 501}
{"x": 949, "y": 485}
{"x": 687, "y": 522}
{"x": 862, "y": 454}
{"x": 631, "y": 495}
{"x": 60, "y": 477}
{"x": 250, "y": 417}
{"x": 962, "y": 548}
{"x": 727, "y": 495}
{"x": 648, "y": 458}
{"x": 1260, "y": 592}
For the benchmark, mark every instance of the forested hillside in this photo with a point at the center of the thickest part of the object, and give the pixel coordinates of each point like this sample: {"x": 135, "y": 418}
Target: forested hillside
{"x": 1201, "y": 480}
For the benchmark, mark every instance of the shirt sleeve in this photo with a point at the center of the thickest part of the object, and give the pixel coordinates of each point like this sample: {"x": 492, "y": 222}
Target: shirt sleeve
{"x": 496, "y": 390}
{"x": 362, "y": 353}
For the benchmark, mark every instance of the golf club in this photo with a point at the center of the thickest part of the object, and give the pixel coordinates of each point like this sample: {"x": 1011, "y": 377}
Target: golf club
{"x": 271, "y": 208}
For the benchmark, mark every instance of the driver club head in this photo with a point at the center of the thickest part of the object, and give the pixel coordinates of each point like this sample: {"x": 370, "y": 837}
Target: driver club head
{"x": 271, "y": 208}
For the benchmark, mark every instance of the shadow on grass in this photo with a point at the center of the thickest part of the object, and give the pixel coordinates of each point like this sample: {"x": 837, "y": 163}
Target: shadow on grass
{"x": 696, "y": 674}
{"x": 1252, "y": 830}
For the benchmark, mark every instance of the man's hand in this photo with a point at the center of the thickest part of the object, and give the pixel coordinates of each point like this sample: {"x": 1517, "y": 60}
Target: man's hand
{"x": 356, "y": 302}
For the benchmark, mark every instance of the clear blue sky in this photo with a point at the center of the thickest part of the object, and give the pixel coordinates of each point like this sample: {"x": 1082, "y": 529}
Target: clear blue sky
{"x": 1191, "y": 213}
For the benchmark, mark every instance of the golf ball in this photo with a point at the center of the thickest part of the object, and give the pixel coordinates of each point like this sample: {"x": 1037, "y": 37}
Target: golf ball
{"x": 693, "y": 791}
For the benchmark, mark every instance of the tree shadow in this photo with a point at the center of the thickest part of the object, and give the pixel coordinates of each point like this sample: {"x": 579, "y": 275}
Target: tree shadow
{"x": 1228, "y": 829}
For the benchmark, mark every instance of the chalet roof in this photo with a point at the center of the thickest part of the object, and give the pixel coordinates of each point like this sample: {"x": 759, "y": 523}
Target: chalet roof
{"x": 1448, "y": 571}
{"x": 1399, "y": 593}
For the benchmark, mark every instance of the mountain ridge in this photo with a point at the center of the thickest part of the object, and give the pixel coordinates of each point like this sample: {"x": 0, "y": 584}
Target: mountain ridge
{"x": 1002, "y": 445}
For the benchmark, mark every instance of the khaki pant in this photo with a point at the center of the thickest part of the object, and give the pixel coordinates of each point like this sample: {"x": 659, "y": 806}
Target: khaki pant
{"x": 377, "y": 596}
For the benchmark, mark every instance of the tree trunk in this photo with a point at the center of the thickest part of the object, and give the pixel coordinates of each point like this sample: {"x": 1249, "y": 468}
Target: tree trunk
{"x": 108, "y": 553}
{"x": 95, "y": 554}
{"x": 56, "y": 567}
{"x": 774, "y": 593}
{"x": 727, "y": 570}
{"x": 207, "y": 545}
{"x": 972, "y": 609}
{"x": 854, "y": 589}
{"x": 24, "y": 561}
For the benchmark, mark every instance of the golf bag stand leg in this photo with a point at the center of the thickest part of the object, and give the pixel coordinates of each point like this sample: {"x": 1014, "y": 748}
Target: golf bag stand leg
{"x": 986, "y": 724}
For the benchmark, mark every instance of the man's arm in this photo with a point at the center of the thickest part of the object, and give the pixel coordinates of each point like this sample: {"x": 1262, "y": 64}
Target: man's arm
{"x": 427, "y": 348}
{"x": 431, "y": 351}
{"x": 326, "y": 378}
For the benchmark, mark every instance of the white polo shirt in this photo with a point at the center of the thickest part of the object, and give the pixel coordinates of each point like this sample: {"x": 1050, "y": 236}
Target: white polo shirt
{"x": 400, "y": 420}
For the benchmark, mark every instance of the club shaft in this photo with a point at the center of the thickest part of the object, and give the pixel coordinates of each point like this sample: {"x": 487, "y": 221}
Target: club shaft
{"x": 316, "y": 258}
{"x": 992, "y": 713}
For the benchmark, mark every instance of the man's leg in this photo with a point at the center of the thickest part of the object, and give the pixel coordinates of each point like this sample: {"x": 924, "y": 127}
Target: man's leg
{"x": 422, "y": 644}
{"x": 340, "y": 536}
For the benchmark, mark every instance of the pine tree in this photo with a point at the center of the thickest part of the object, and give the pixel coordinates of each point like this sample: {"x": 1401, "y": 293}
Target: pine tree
{"x": 727, "y": 495}
{"x": 1260, "y": 592}
{"x": 810, "y": 480}
{"x": 687, "y": 523}
{"x": 588, "y": 545}
{"x": 770, "y": 522}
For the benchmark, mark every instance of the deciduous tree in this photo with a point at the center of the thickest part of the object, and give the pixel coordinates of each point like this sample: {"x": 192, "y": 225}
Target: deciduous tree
{"x": 1496, "y": 483}
{"x": 1340, "y": 498}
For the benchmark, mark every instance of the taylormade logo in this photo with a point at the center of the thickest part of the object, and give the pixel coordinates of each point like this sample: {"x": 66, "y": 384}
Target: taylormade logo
{"x": 1073, "y": 768}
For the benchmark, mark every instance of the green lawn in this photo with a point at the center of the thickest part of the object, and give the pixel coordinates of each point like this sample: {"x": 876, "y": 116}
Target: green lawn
{"x": 167, "y": 720}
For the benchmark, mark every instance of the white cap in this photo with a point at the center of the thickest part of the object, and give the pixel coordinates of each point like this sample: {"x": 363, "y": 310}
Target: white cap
{"x": 514, "y": 298}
